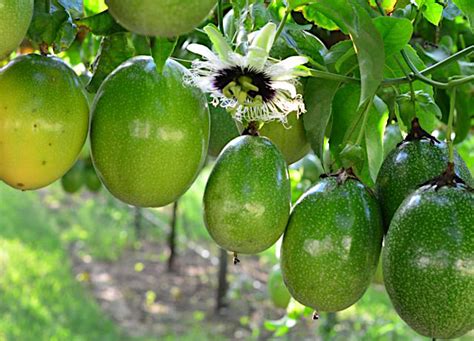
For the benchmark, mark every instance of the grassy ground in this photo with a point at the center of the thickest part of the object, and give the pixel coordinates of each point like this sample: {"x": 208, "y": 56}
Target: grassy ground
{"x": 39, "y": 298}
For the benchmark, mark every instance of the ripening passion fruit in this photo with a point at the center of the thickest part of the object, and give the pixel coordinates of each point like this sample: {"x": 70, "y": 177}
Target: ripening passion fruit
{"x": 44, "y": 118}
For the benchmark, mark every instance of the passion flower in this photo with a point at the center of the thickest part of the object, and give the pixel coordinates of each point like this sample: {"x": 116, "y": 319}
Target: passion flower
{"x": 252, "y": 87}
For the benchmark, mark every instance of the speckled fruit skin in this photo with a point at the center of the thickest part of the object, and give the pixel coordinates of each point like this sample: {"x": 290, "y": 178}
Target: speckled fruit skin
{"x": 15, "y": 18}
{"x": 247, "y": 197}
{"x": 332, "y": 245}
{"x": 223, "y": 130}
{"x": 44, "y": 118}
{"x": 277, "y": 290}
{"x": 407, "y": 167}
{"x": 428, "y": 262}
{"x": 164, "y": 18}
{"x": 149, "y": 132}
{"x": 291, "y": 141}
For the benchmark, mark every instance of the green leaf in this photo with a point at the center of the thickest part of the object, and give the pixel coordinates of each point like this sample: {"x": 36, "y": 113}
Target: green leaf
{"x": 426, "y": 109}
{"x": 318, "y": 98}
{"x": 395, "y": 32}
{"x": 65, "y": 36}
{"x": 341, "y": 58}
{"x": 346, "y": 121}
{"x": 346, "y": 127}
{"x": 114, "y": 50}
{"x": 467, "y": 7}
{"x": 74, "y": 7}
{"x": 298, "y": 3}
{"x": 374, "y": 132}
{"x": 101, "y": 24}
{"x": 161, "y": 50}
{"x": 432, "y": 11}
{"x": 464, "y": 112}
{"x": 306, "y": 44}
{"x": 387, "y": 5}
{"x": 93, "y": 6}
{"x": 352, "y": 18}
{"x": 352, "y": 155}
{"x": 311, "y": 13}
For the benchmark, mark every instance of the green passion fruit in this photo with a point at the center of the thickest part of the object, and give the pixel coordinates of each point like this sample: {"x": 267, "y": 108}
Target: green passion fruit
{"x": 277, "y": 290}
{"x": 332, "y": 244}
{"x": 164, "y": 18}
{"x": 91, "y": 179}
{"x": 15, "y": 17}
{"x": 428, "y": 261}
{"x": 44, "y": 118}
{"x": 291, "y": 140}
{"x": 247, "y": 197}
{"x": 409, "y": 166}
{"x": 223, "y": 130}
{"x": 73, "y": 180}
{"x": 149, "y": 132}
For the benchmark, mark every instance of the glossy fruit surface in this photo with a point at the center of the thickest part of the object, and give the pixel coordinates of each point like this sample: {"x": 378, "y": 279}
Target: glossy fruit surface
{"x": 223, "y": 130}
{"x": 332, "y": 245}
{"x": 407, "y": 167}
{"x": 276, "y": 288}
{"x": 164, "y": 18}
{"x": 149, "y": 132}
{"x": 15, "y": 17}
{"x": 73, "y": 180}
{"x": 428, "y": 261}
{"x": 44, "y": 118}
{"x": 247, "y": 196}
{"x": 291, "y": 140}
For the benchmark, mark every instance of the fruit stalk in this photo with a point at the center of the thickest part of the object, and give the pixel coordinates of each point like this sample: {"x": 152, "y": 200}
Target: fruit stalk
{"x": 172, "y": 237}
{"x": 449, "y": 131}
{"x": 252, "y": 129}
{"x": 220, "y": 16}
{"x": 282, "y": 22}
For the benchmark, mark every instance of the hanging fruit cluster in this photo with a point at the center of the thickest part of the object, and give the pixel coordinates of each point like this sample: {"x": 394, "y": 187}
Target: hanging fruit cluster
{"x": 258, "y": 98}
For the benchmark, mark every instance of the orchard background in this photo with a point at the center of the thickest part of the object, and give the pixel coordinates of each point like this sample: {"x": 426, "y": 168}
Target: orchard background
{"x": 78, "y": 264}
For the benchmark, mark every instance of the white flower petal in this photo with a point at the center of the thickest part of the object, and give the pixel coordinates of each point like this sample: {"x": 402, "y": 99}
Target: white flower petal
{"x": 202, "y": 51}
{"x": 286, "y": 67}
{"x": 285, "y": 86}
{"x": 219, "y": 43}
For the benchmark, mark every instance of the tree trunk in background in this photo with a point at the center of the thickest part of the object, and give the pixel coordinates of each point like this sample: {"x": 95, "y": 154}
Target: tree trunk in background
{"x": 172, "y": 237}
{"x": 138, "y": 222}
{"x": 222, "y": 281}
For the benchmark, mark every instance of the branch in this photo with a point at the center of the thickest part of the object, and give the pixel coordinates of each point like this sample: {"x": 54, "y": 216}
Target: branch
{"x": 418, "y": 75}
{"x": 415, "y": 74}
